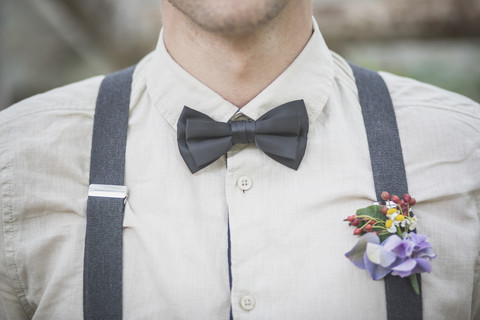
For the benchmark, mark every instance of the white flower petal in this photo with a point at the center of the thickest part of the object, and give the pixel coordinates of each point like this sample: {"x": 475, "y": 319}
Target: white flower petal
{"x": 378, "y": 255}
{"x": 392, "y": 229}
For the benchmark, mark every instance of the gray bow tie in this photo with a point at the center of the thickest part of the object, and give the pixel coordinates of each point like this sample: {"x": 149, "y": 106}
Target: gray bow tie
{"x": 281, "y": 133}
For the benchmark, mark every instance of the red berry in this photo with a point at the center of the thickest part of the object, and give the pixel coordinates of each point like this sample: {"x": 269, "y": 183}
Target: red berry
{"x": 406, "y": 197}
{"x": 385, "y": 195}
{"x": 395, "y": 199}
{"x": 404, "y": 210}
{"x": 355, "y": 222}
{"x": 357, "y": 231}
{"x": 372, "y": 222}
{"x": 368, "y": 227}
{"x": 350, "y": 218}
{"x": 384, "y": 210}
{"x": 412, "y": 202}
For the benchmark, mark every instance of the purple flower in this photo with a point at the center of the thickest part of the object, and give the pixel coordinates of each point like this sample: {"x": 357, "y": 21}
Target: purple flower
{"x": 417, "y": 254}
{"x": 402, "y": 257}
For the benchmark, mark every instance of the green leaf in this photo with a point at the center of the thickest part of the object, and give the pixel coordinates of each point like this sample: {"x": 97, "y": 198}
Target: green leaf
{"x": 383, "y": 236}
{"x": 372, "y": 211}
{"x": 414, "y": 282}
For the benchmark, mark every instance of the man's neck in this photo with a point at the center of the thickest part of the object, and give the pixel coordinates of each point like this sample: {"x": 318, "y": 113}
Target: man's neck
{"x": 238, "y": 67}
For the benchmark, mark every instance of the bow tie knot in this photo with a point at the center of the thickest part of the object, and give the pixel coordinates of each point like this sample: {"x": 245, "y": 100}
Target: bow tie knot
{"x": 242, "y": 131}
{"x": 281, "y": 133}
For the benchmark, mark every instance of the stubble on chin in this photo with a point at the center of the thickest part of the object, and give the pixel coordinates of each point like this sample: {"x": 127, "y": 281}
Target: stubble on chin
{"x": 230, "y": 17}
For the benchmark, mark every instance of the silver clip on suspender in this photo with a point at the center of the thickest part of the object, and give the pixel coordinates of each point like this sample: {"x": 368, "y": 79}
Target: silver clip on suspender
{"x": 389, "y": 204}
{"x": 108, "y": 191}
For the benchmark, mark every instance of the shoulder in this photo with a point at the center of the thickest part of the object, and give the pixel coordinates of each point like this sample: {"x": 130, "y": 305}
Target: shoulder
{"x": 410, "y": 93}
{"x": 415, "y": 98}
{"x": 47, "y": 121}
{"x": 439, "y": 129}
{"x": 48, "y": 136}
{"x": 445, "y": 121}
{"x": 78, "y": 96}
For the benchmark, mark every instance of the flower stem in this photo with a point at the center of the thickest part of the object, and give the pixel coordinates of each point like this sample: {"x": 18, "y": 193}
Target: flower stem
{"x": 399, "y": 232}
{"x": 414, "y": 282}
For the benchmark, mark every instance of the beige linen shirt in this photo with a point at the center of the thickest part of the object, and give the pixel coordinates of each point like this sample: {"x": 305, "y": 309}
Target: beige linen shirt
{"x": 288, "y": 237}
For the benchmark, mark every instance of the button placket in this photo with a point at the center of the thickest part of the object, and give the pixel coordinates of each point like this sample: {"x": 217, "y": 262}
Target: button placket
{"x": 242, "y": 166}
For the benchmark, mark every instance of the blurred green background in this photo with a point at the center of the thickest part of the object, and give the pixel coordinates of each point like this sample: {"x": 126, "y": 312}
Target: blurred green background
{"x": 48, "y": 43}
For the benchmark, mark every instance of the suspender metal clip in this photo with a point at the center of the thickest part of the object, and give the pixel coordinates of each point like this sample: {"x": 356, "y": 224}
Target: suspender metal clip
{"x": 108, "y": 191}
{"x": 389, "y": 204}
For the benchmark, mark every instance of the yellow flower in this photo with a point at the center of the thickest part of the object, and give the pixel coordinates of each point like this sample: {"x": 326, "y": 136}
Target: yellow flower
{"x": 391, "y": 226}
{"x": 390, "y": 211}
{"x": 388, "y": 224}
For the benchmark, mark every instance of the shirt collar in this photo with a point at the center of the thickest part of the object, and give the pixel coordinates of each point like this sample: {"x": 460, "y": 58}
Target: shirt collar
{"x": 309, "y": 77}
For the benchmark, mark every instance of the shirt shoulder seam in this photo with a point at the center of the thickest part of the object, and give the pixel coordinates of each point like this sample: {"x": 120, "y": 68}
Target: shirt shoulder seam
{"x": 22, "y": 115}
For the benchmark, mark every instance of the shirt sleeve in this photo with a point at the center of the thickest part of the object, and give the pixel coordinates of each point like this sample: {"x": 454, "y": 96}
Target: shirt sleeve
{"x": 476, "y": 279}
{"x": 10, "y": 306}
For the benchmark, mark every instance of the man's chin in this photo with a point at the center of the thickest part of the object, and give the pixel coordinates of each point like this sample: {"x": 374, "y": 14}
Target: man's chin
{"x": 225, "y": 17}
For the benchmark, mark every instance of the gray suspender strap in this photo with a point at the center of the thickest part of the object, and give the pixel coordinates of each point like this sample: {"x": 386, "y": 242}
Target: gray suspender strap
{"x": 388, "y": 174}
{"x": 102, "y": 276}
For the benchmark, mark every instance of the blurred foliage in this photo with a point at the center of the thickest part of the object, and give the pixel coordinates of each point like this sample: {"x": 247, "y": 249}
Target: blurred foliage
{"x": 452, "y": 64}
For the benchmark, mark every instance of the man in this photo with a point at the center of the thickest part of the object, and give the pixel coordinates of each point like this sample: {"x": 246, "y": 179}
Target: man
{"x": 245, "y": 237}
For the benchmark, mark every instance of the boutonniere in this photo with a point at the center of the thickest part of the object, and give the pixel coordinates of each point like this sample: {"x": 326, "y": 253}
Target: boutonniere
{"x": 388, "y": 243}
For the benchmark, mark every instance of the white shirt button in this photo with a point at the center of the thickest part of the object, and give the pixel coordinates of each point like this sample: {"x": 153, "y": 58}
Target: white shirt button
{"x": 244, "y": 183}
{"x": 247, "y": 303}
